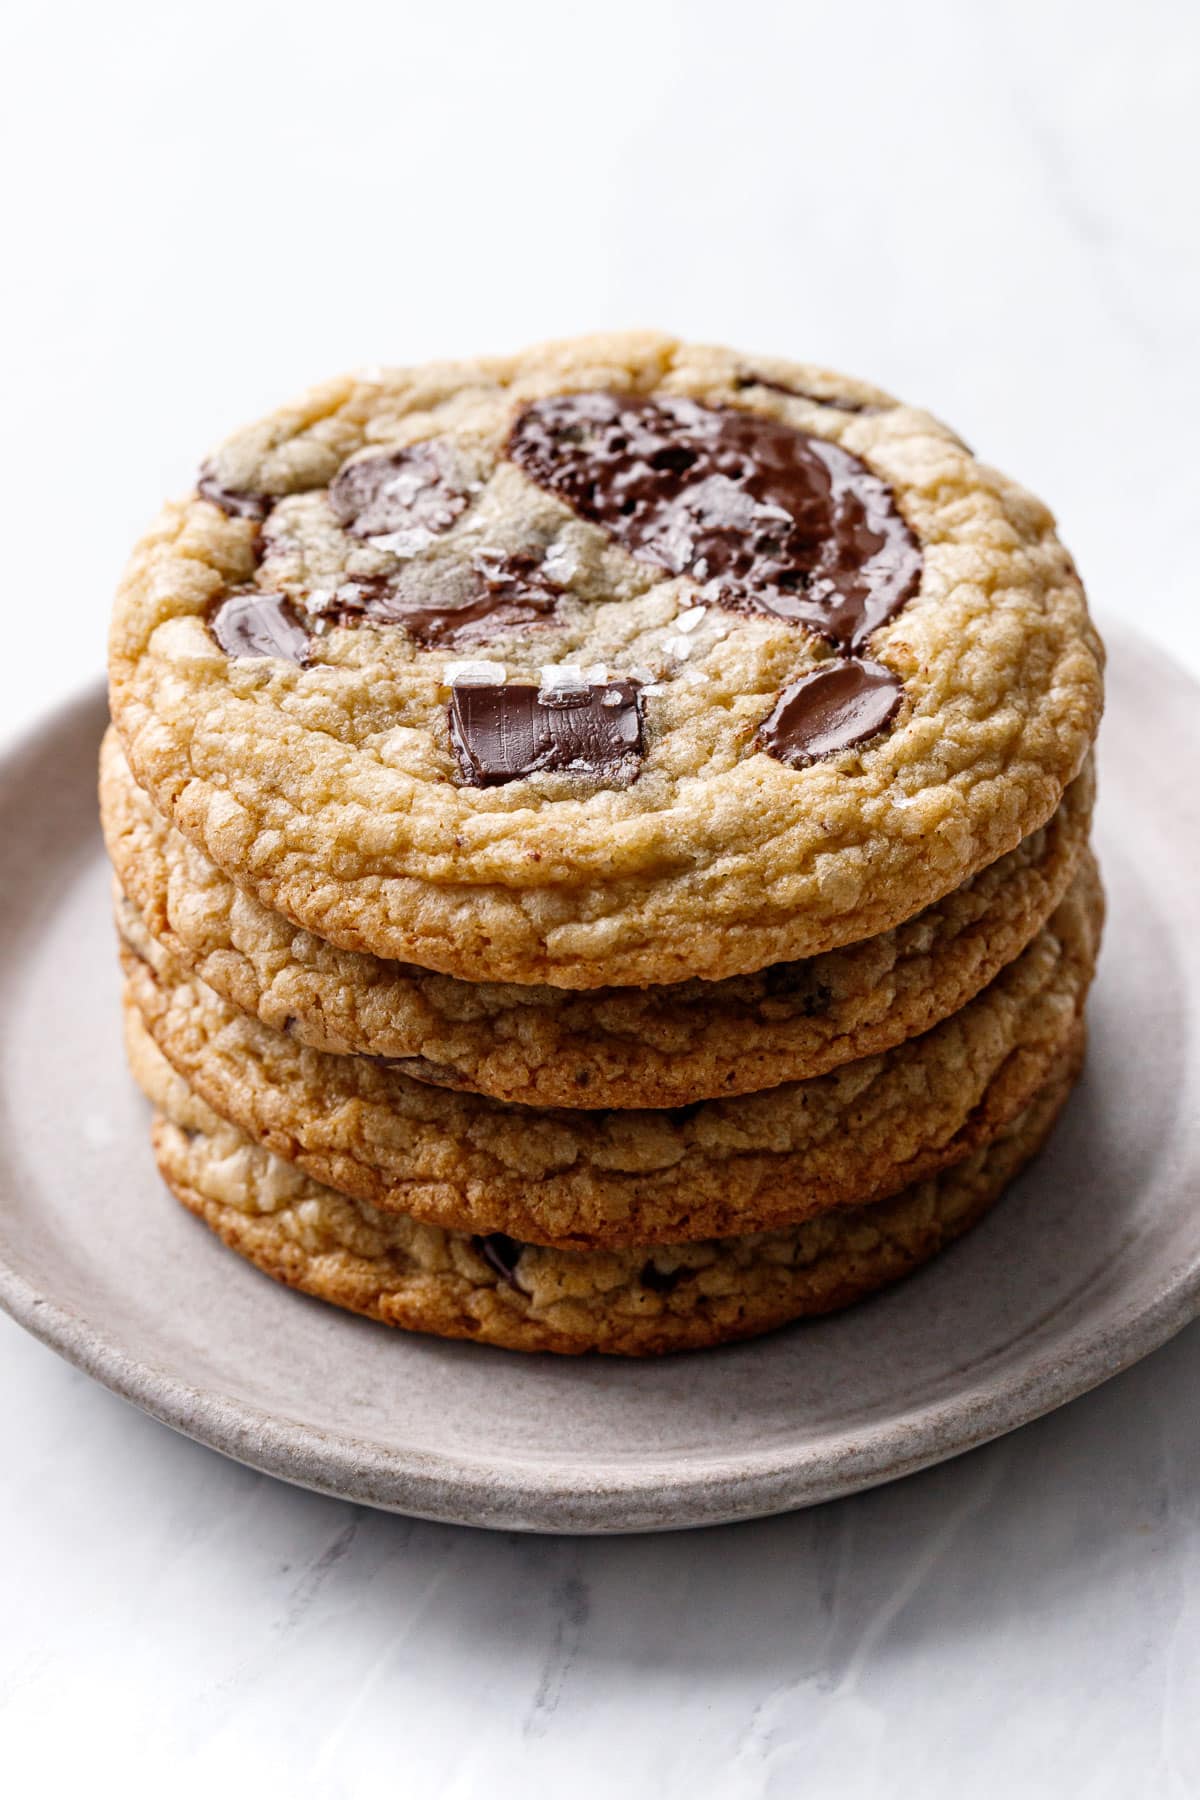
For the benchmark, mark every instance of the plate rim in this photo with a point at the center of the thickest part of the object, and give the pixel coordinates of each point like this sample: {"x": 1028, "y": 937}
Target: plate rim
{"x": 459, "y": 1488}
{"x": 465, "y": 1491}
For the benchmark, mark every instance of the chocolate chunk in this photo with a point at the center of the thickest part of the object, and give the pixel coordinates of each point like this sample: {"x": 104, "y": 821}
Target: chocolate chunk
{"x": 794, "y": 981}
{"x": 458, "y": 604}
{"x": 502, "y": 1254}
{"x": 816, "y": 1001}
{"x": 660, "y": 1281}
{"x": 417, "y": 492}
{"x": 837, "y": 706}
{"x": 257, "y": 624}
{"x": 839, "y": 402}
{"x": 237, "y": 504}
{"x": 504, "y": 733}
{"x": 768, "y": 518}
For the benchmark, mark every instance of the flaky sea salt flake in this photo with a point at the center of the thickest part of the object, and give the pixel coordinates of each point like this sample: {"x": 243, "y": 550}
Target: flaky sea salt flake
{"x": 562, "y": 678}
{"x": 403, "y": 543}
{"x": 475, "y": 674}
{"x": 560, "y": 563}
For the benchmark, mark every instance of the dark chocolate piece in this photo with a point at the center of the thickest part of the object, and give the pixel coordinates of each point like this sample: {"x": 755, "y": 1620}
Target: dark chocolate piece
{"x": 795, "y": 981}
{"x": 234, "y": 503}
{"x": 503, "y": 733}
{"x": 459, "y": 604}
{"x": 414, "y": 489}
{"x": 661, "y": 1281}
{"x": 257, "y": 624}
{"x": 838, "y": 705}
{"x": 502, "y": 1254}
{"x": 767, "y": 518}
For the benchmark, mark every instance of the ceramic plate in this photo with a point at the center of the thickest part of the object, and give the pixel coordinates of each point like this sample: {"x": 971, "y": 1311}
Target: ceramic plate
{"x": 1091, "y": 1261}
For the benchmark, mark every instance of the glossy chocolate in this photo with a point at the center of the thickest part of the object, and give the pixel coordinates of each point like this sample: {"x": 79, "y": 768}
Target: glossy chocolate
{"x": 840, "y": 704}
{"x": 257, "y": 624}
{"x": 503, "y": 733}
{"x": 235, "y": 504}
{"x": 464, "y": 603}
{"x": 768, "y": 519}
{"x": 502, "y": 1254}
{"x": 416, "y": 491}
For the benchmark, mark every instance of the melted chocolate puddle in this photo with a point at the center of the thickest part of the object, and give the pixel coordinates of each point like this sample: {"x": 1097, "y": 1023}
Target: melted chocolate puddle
{"x": 251, "y": 623}
{"x": 766, "y": 518}
{"x": 836, "y": 706}
{"x": 413, "y": 490}
{"x": 471, "y": 602}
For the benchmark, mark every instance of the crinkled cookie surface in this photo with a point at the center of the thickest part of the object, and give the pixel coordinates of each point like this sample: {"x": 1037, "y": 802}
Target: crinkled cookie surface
{"x": 576, "y": 1180}
{"x": 619, "y": 661}
{"x": 542, "y": 1046}
{"x": 497, "y": 1290}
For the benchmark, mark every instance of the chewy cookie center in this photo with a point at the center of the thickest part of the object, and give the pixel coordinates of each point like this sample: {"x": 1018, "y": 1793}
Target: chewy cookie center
{"x": 764, "y": 519}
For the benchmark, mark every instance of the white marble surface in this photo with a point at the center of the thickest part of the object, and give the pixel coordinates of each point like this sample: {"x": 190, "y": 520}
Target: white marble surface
{"x": 991, "y": 209}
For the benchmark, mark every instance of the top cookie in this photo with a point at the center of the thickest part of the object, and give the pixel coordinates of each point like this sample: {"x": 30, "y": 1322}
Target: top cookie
{"x": 619, "y": 661}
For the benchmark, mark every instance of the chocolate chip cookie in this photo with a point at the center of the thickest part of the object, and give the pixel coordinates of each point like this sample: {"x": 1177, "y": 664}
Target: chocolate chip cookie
{"x": 613, "y": 663}
{"x": 648, "y": 1047}
{"x": 497, "y": 1290}
{"x": 572, "y": 1179}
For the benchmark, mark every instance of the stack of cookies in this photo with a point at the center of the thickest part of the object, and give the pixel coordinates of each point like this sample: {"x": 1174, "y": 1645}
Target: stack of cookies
{"x": 601, "y": 842}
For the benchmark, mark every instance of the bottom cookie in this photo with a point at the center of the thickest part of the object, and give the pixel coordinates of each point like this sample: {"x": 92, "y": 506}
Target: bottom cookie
{"x": 523, "y": 1297}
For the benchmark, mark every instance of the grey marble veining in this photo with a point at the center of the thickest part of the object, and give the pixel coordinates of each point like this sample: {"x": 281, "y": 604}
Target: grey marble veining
{"x": 991, "y": 1622}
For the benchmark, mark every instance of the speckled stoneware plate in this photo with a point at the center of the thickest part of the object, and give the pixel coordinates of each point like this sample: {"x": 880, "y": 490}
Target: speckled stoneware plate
{"x": 1090, "y": 1262}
